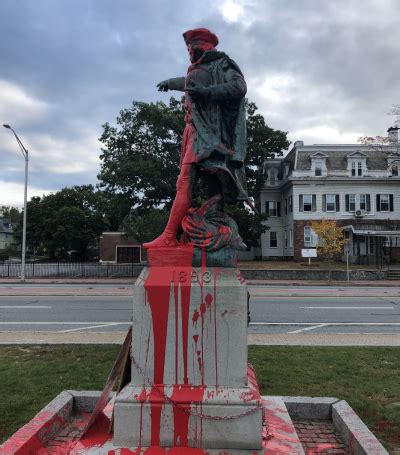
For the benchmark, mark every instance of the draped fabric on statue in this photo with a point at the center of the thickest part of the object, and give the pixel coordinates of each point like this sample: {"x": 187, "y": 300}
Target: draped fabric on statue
{"x": 219, "y": 146}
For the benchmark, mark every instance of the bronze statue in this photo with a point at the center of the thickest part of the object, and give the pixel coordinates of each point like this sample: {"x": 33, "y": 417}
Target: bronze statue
{"x": 213, "y": 145}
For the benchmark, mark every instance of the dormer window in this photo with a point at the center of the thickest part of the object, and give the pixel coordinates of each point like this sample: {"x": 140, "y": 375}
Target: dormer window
{"x": 395, "y": 170}
{"x": 356, "y": 168}
{"x": 318, "y": 164}
{"x": 357, "y": 164}
{"x": 318, "y": 169}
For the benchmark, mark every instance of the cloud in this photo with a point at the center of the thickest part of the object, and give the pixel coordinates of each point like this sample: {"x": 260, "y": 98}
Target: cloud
{"x": 17, "y": 106}
{"x": 12, "y": 193}
{"x": 323, "y": 71}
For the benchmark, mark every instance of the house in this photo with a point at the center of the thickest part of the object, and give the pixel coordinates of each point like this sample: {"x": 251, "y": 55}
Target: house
{"x": 116, "y": 247}
{"x": 6, "y": 233}
{"x": 355, "y": 184}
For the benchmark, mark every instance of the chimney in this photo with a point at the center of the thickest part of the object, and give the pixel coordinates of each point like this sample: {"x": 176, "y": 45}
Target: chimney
{"x": 393, "y": 134}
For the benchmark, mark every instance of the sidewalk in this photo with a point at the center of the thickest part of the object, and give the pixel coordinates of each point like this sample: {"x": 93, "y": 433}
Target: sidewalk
{"x": 259, "y": 339}
{"x": 131, "y": 282}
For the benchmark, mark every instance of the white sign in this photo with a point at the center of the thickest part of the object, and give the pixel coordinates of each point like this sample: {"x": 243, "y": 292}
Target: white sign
{"x": 308, "y": 253}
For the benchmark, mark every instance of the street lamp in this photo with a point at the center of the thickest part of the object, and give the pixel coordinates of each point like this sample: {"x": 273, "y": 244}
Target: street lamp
{"x": 25, "y": 155}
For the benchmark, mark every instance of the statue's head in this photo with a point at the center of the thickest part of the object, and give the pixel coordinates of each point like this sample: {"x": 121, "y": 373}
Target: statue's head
{"x": 198, "y": 41}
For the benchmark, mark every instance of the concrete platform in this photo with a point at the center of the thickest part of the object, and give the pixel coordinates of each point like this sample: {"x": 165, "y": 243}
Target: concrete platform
{"x": 58, "y": 428}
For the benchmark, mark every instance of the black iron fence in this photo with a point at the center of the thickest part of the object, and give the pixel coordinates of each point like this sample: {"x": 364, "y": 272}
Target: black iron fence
{"x": 70, "y": 270}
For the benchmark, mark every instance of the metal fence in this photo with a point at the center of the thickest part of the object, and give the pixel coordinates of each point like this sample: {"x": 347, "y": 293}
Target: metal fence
{"x": 70, "y": 270}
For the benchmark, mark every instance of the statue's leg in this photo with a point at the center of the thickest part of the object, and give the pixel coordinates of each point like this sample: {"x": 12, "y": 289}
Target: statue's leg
{"x": 179, "y": 208}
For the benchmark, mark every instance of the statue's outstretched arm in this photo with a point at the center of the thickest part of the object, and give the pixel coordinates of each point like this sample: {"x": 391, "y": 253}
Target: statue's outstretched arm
{"x": 176, "y": 83}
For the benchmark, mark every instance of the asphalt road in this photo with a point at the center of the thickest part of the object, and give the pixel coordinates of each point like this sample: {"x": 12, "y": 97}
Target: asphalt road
{"x": 274, "y": 309}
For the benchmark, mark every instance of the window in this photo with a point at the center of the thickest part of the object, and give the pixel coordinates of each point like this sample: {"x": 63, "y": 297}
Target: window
{"x": 273, "y": 240}
{"x": 286, "y": 206}
{"x": 273, "y": 208}
{"x": 291, "y": 238}
{"x": 310, "y": 238}
{"x": 365, "y": 202}
{"x": 330, "y": 203}
{"x": 290, "y": 204}
{"x": 384, "y": 202}
{"x": 350, "y": 202}
{"x": 356, "y": 168}
{"x": 395, "y": 170}
{"x": 318, "y": 169}
{"x": 307, "y": 202}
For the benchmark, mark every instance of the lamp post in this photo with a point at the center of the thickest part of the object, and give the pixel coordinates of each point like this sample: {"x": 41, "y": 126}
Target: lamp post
{"x": 26, "y": 157}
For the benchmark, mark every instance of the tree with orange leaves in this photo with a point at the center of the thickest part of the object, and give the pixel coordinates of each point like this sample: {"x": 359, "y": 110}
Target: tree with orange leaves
{"x": 330, "y": 240}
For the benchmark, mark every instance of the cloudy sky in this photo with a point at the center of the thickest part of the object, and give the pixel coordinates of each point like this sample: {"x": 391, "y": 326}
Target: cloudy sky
{"x": 326, "y": 71}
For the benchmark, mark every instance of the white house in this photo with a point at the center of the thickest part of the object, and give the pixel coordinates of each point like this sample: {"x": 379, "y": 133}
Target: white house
{"x": 357, "y": 185}
{"x": 6, "y": 233}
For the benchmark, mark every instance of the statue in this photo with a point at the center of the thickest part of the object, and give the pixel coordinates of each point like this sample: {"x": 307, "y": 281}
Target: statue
{"x": 213, "y": 146}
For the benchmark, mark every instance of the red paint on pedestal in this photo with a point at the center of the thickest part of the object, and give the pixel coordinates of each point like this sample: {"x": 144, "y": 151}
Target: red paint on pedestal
{"x": 173, "y": 266}
{"x": 184, "y": 397}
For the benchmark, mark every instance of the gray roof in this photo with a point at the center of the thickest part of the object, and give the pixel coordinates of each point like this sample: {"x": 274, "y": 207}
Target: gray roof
{"x": 337, "y": 159}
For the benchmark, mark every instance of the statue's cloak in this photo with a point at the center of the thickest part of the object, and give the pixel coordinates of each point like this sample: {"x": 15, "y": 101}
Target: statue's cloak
{"x": 219, "y": 121}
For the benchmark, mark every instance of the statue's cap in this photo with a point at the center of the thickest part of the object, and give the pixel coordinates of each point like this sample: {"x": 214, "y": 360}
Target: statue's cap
{"x": 200, "y": 34}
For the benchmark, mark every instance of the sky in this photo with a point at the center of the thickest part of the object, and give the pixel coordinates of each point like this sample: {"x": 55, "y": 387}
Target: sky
{"x": 325, "y": 71}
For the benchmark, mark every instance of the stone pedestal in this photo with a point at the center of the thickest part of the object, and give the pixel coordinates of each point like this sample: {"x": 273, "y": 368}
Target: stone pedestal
{"x": 190, "y": 385}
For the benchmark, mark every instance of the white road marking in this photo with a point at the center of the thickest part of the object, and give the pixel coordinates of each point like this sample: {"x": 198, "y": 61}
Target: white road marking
{"x": 62, "y": 323}
{"x": 25, "y": 307}
{"x": 309, "y": 328}
{"x": 328, "y": 323}
{"x": 91, "y": 327}
{"x": 348, "y": 307}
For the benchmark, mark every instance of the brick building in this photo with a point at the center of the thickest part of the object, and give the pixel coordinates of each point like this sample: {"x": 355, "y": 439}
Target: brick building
{"x": 356, "y": 185}
{"x": 116, "y": 247}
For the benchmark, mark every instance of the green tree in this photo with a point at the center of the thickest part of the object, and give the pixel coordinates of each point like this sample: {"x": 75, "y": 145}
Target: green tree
{"x": 140, "y": 162}
{"x": 146, "y": 226}
{"x": 12, "y": 213}
{"x": 70, "y": 219}
{"x": 141, "y": 156}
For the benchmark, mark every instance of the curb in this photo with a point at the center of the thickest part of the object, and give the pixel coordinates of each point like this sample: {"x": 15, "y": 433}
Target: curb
{"x": 355, "y": 434}
{"x": 42, "y": 428}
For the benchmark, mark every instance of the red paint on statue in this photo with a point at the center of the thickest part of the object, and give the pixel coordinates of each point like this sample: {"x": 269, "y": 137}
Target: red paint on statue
{"x": 169, "y": 265}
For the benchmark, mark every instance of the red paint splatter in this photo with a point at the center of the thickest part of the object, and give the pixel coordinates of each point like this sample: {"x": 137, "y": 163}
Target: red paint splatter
{"x": 195, "y": 317}
{"x": 171, "y": 265}
{"x": 183, "y": 397}
{"x": 33, "y": 436}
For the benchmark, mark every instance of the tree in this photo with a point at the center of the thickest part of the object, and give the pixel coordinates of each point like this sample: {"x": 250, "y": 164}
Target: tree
{"x": 146, "y": 226}
{"x": 67, "y": 220}
{"x": 141, "y": 157}
{"x": 378, "y": 143}
{"x": 140, "y": 161}
{"x": 12, "y": 213}
{"x": 330, "y": 240}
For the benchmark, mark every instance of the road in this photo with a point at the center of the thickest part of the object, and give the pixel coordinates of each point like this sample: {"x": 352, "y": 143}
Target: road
{"x": 274, "y": 309}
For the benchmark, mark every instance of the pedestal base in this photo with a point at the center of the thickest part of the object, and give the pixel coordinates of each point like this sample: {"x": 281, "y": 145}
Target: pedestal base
{"x": 203, "y": 417}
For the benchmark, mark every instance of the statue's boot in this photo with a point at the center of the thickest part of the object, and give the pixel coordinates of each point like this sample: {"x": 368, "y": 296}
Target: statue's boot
{"x": 178, "y": 211}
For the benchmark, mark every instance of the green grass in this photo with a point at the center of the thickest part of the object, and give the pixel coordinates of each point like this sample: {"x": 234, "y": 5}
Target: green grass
{"x": 367, "y": 378}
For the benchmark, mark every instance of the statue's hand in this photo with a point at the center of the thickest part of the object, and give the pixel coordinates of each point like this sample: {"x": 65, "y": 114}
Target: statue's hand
{"x": 163, "y": 86}
{"x": 198, "y": 92}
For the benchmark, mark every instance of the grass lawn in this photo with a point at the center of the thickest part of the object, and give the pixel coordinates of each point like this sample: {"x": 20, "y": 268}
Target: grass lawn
{"x": 368, "y": 378}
